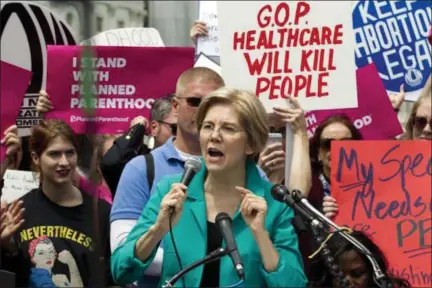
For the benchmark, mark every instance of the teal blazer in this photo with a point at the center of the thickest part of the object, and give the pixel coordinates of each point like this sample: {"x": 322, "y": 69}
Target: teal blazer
{"x": 190, "y": 235}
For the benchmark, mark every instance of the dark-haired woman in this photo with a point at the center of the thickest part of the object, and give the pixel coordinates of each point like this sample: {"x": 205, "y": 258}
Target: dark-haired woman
{"x": 55, "y": 235}
{"x": 337, "y": 127}
{"x": 355, "y": 266}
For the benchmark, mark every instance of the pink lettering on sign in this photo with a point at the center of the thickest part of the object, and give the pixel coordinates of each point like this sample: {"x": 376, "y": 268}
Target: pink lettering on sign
{"x": 374, "y": 117}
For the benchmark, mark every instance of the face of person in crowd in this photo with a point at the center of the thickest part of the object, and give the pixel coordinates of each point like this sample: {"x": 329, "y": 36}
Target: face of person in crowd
{"x": 224, "y": 143}
{"x": 44, "y": 255}
{"x": 355, "y": 270}
{"x": 334, "y": 131}
{"x": 58, "y": 162}
{"x": 186, "y": 104}
{"x": 423, "y": 121}
{"x": 163, "y": 130}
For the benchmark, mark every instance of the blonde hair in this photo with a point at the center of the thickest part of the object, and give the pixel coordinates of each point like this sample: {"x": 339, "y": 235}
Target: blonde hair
{"x": 98, "y": 142}
{"x": 251, "y": 113}
{"x": 425, "y": 95}
{"x": 198, "y": 75}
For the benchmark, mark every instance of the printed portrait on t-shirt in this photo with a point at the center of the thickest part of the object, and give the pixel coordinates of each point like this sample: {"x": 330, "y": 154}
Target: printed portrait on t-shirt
{"x": 43, "y": 256}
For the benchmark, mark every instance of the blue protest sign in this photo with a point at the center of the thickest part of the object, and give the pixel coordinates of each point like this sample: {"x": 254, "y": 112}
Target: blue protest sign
{"x": 394, "y": 35}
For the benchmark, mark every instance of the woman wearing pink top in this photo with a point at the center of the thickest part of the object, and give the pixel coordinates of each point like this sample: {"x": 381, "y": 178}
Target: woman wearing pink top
{"x": 95, "y": 183}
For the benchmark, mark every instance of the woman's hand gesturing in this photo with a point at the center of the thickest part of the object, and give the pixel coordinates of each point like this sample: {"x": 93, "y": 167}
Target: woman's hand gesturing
{"x": 253, "y": 209}
{"x": 10, "y": 221}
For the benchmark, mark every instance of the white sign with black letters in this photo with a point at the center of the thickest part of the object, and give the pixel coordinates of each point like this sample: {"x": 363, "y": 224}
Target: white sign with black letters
{"x": 18, "y": 183}
{"x": 209, "y": 45}
{"x": 128, "y": 37}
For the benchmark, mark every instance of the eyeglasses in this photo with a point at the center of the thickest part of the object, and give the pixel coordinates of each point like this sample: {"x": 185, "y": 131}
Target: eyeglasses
{"x": 224, "y": 130}
{"x": 326, "y": 142}
{"x": 421, "y": 122}
{"x": 173, "y": 126}
{"x": 192, "y": 101}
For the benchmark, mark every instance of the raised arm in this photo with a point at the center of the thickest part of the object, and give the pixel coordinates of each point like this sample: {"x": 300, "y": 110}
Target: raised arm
{"x": 301, "y": 172}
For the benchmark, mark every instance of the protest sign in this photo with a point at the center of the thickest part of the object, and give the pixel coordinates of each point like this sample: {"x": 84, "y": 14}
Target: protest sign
{"x": 374, "y": 117}
{"x": 18, "y": 183}
{"x": 128, "y": 37}
{"x": 393, "y": 35}
{"x": 127, "y": 80}
{"x": 13, "y": 84}
{"x": 383, "y": 188}
{"x": 26, "y": 30}
{"x": 209, "y": 45}
{"x": 282, "y": 48}
{"x": 204, "y": 61}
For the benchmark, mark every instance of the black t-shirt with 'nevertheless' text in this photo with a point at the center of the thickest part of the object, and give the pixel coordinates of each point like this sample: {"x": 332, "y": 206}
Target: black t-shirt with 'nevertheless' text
{"x": 57, "y": 244}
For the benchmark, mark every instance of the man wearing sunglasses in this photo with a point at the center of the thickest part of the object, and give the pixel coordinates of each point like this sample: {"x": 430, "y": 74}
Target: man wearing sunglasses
{"x": 126, "y": 147}
{"x": 163, "y": 123}
{"x": 136, "y": 184}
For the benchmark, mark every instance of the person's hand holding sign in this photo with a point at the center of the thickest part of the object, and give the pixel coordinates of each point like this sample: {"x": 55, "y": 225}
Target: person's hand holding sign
{"x": 140, "y": 120}
{"x": 12, "y": 141}
{"x": 198, "y": 29}
{"x": 294, "y": 116}
{"x": 43, "y": 104}
{"x": 330, "y": 207}
{"x": 299, "y": 172}
{"x": 397, "y": 99}
{"x": 13, "y": 149}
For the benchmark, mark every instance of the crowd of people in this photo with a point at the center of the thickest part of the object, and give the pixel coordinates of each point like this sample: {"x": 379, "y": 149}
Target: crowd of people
{"x": 124, "y": 218}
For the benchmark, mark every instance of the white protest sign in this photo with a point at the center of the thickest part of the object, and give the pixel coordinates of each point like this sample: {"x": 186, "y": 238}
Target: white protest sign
{"x": 278, "y": 49}
{"x": 26, "y": 30}
{"x": 18, "y": 183}
{"x": 209, "y": 45}
{"x": 128, "y": 37}
{"x": 204, "y": 61}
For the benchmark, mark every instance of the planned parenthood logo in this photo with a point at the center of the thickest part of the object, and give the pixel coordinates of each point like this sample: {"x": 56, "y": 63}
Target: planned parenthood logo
{"x": 394, "y": 35}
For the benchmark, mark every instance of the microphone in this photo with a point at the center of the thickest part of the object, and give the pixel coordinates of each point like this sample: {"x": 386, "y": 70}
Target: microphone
{"x": 223, "y": 220}
{"x": 191, "y": 167}
{"x": 281, "y": 194}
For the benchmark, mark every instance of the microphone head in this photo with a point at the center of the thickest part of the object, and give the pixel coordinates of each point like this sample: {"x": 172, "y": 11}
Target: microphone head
{"x": 222, "y": 216}
{"x": 279, "y": 192}
{"x": 193, "y": 164}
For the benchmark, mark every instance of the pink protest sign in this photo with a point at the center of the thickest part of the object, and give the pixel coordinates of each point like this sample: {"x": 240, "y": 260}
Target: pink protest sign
{"x": 374, "y": 116}
{"x": 127, "y": 80}
{"x": 13, "y": 82}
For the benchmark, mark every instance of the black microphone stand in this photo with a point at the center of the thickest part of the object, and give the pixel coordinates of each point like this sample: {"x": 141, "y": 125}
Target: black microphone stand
{"x": 328, "y": 258}
{"x": 380, "y": 278}
{"x": 317, "y": 228}
{"x": 216, "y": 254}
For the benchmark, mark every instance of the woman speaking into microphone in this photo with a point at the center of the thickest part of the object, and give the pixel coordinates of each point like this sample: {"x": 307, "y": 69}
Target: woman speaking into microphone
{"x": 233, "y": 129}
